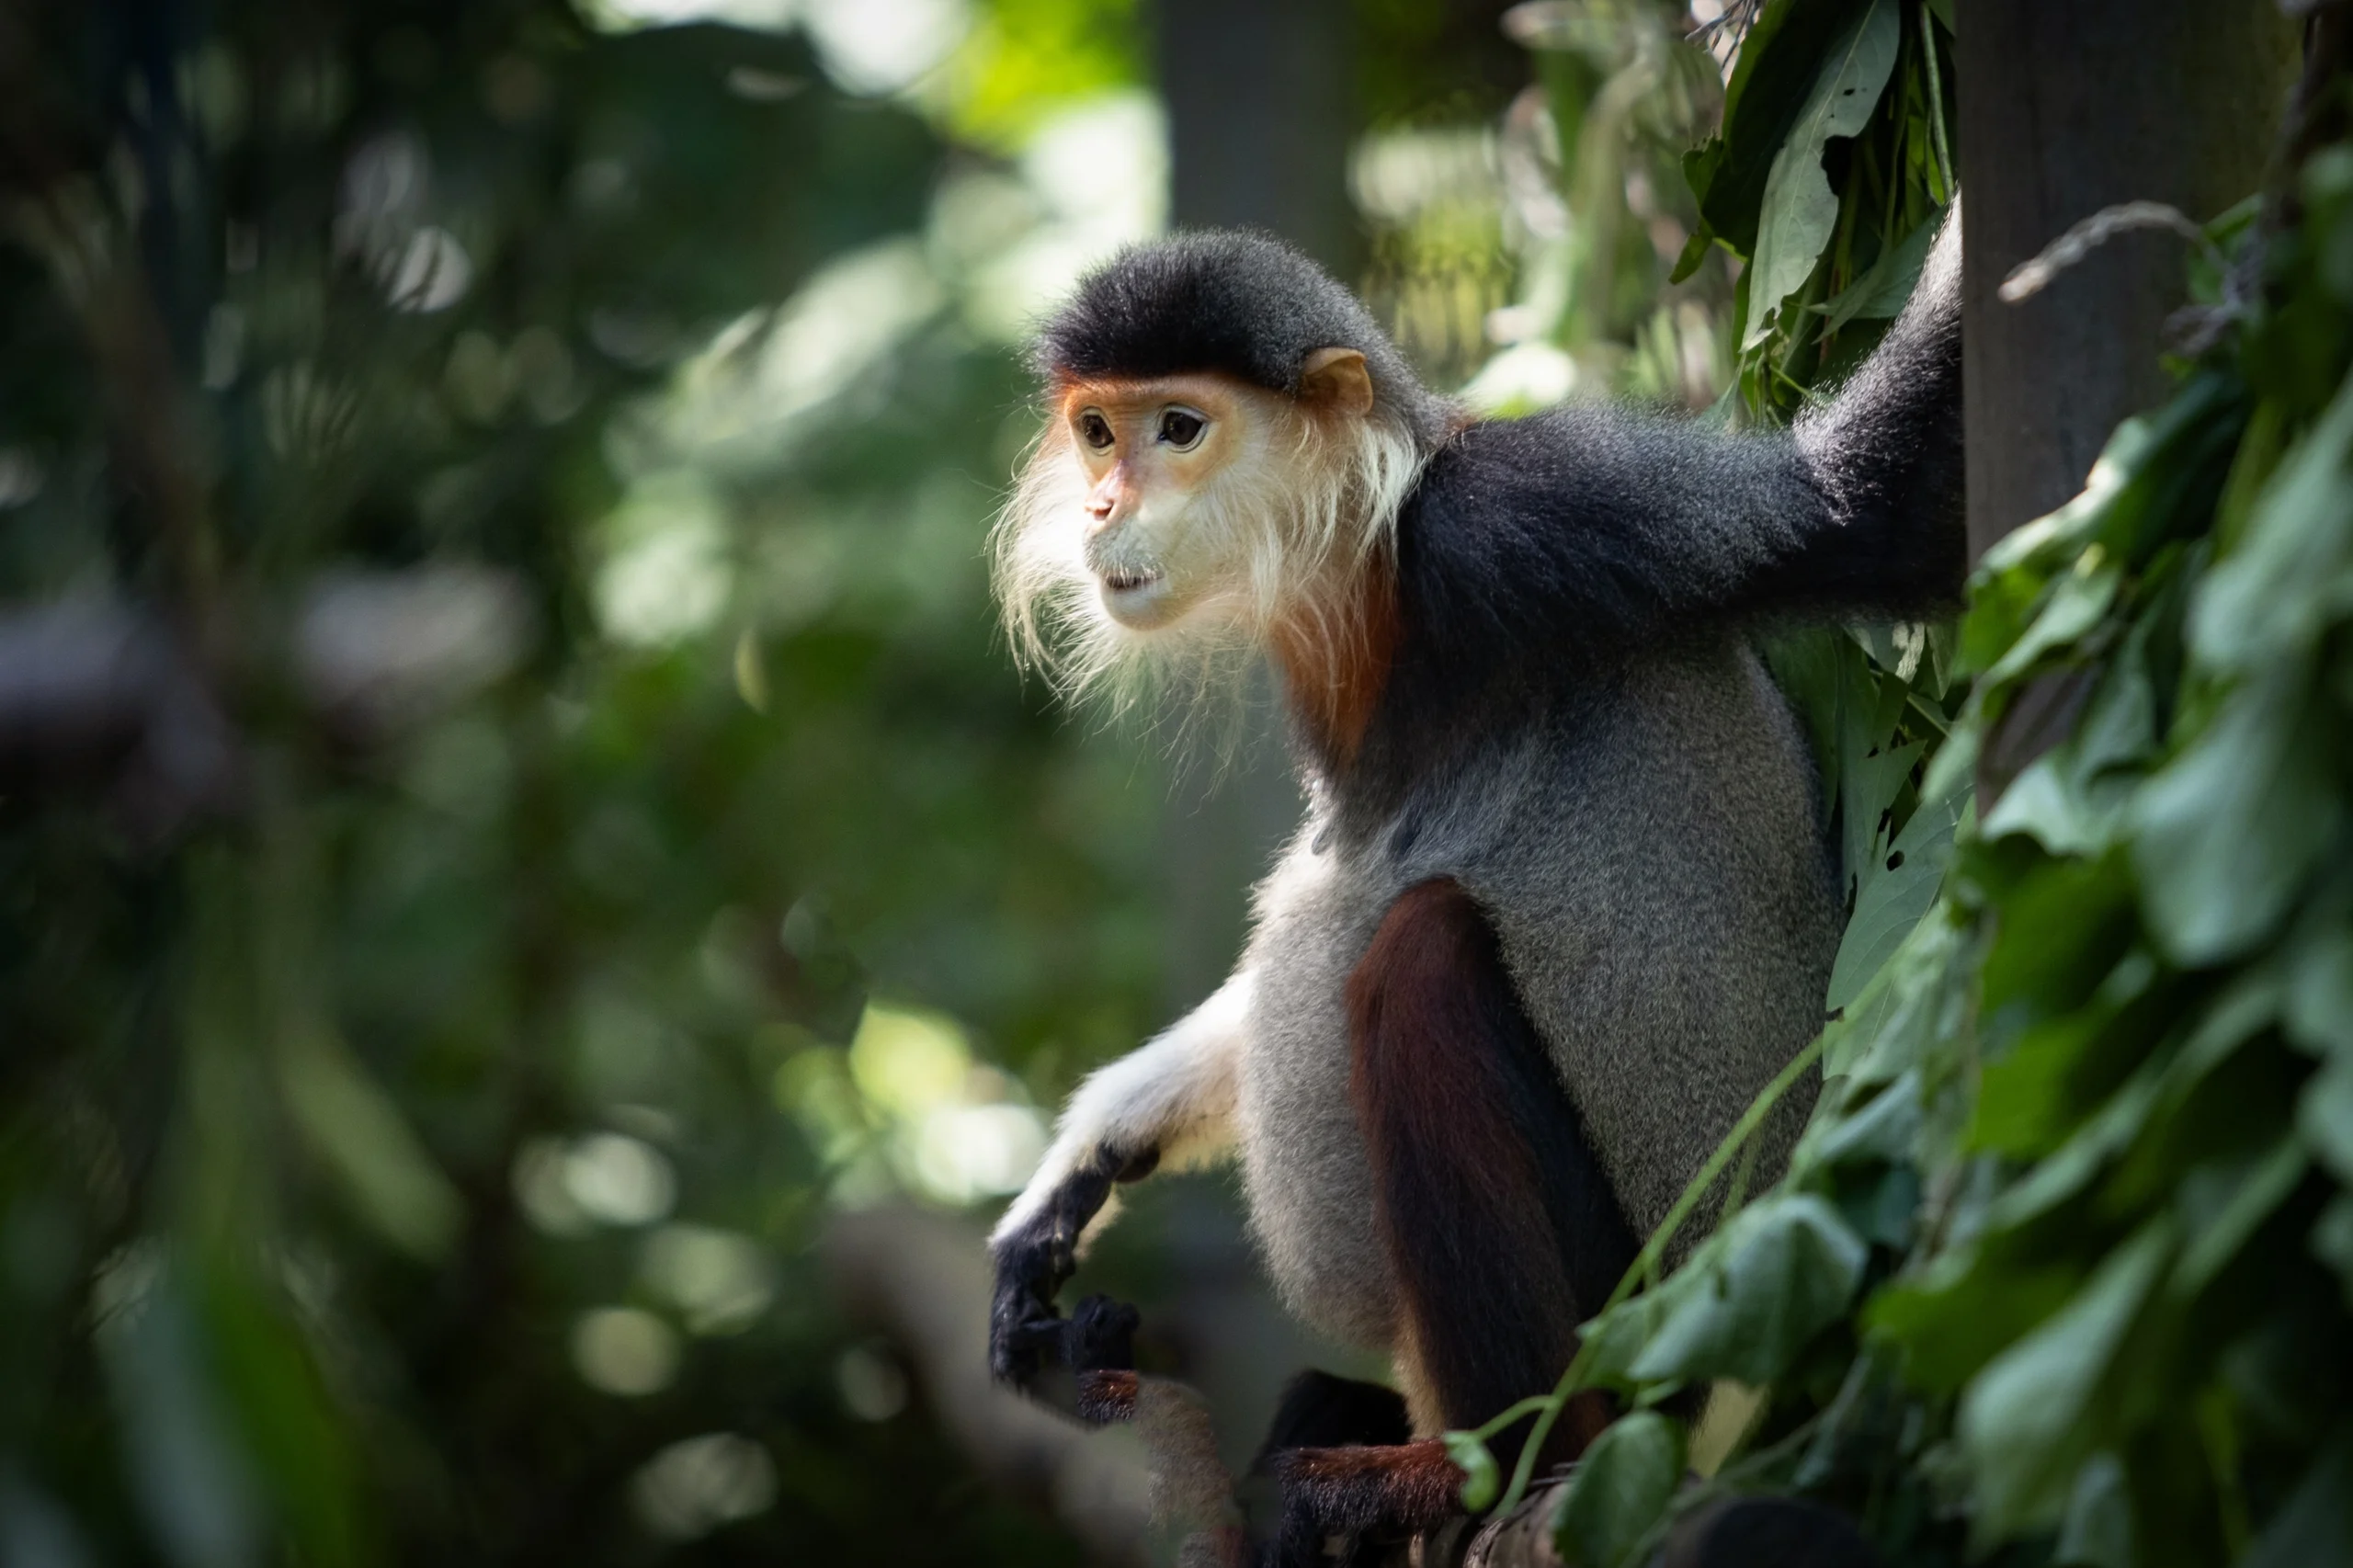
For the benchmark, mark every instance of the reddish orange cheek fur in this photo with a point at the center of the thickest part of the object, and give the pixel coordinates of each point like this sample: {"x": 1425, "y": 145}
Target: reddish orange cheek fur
{"x": 1334, "y": 670}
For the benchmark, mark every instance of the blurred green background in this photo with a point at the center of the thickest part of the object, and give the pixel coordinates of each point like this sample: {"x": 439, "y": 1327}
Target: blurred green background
{"x": 513, "y": 809}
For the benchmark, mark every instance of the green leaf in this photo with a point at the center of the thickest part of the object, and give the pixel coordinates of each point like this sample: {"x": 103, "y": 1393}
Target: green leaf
{"x": 1800, "y": 207}
{"x": 2315, "y": 1527}
{"x": 1965, "y": 1309}
{"x": 1773, "y": 1277}
{"x": 1481, "y": 1480}
{"x": 1881, "y": 294}
{"x": 1613, "y": 1340}
{"x": 1695, "y": 249}
{"x": 2044, "y": 804}
{"x": 357, "y": 1132}
{"x": 2224, "y": 1208}
{"x": 2145, "y": 484}
{"x": 1776, "y": 71}
{"x": 190, "y": 1475}
{"x": 1883, "y": 1130}
{"x": 2324, "y": 1115}
{"x": 2030, "y": 1418}
{"x": 2078, "y": 603}
{"x": 1873, "y": 771}
{"x": 2071, "y": 1167}
{"x": 1619, "y": 1492}
{"x": 2290, "y": 576}
{"x": 2009, "y": 580}
{"x": 1897, "y": 892}
{"x": 2320, "y": 992}
{"x": 2332, "y": 1240}
{"x": 2228, "y": 831}
{"x": 2097, "y": 1529}
{"x": 2072, "y": 800}
{"x": 1912, "y": 1003}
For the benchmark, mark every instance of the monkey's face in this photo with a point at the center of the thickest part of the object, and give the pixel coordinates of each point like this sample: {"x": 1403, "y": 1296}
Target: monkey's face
{"x": 1159, "y": 462}
{"x": 1166, "y": 521}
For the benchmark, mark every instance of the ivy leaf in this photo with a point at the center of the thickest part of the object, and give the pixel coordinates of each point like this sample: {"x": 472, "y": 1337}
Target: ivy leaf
{"x": 1801, "y": 209}
{"x": 1480, "y": 1483}
{"x": 2320, "y": 992}
{"x": 1883, "y": 1130}
{"x": 2227, "y": 1202}
{"x": 2145, "y": 484}
{"x": 1619, "y": 1492}
{"x": 1754, "y": 1294}
{"x": 2314, "y": 1529}
{"x": 1618, "y": 1337}
{"x": 1880, "y": 294}
{"x": 2290, "y": 577}
{"x": 2332, "y": 1239}
{"x": 2072, "y": 800}
{"x": 2227, "y": 832}
{"x": 1772, "y": 76}
{"x": 1905, "y": 1010}
{"x": 2097, "y": 1530}
{"x": 2324, "y": 1115}
{"x": 2078, "y": 603}
{"x": 2029, "y": 1420}
{"x": 1897, "y": 892}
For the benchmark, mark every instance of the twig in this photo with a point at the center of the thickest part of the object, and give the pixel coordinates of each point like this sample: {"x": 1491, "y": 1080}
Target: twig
{"x": 2031, "y": 277}
{"x": 923, "y": 1281}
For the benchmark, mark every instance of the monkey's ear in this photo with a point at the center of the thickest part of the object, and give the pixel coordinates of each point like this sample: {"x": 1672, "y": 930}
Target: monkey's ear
{"x": 1336, "y": 377}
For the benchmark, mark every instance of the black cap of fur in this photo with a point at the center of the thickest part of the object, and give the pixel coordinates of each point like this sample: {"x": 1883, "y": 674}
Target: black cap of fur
{"x": 1222, "y": 300}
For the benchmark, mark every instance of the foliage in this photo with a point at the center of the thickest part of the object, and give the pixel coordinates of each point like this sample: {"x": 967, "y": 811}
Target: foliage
{"x": 410, "y": 1148}
{"x": 1590, "y": 158}
{"x": 2061, "y": 1270}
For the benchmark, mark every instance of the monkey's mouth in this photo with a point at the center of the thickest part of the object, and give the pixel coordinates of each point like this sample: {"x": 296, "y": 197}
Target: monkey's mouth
{"x": 1136, "y": 596}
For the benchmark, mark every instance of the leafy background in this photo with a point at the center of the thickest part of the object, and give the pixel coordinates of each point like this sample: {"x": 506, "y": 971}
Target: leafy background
{"x": 519, "y": 814}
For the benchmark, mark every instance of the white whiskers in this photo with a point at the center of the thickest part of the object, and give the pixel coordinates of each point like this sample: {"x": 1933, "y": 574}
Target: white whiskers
{"x": 1287, "y": 531}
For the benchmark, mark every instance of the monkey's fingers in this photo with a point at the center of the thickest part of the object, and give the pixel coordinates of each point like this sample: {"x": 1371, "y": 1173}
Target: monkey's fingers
{"x": 1026, "y": 1335}
{"x": 1101, "y": 1336}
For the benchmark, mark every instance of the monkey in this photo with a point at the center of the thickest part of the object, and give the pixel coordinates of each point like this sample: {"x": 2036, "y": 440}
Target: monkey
{"x": 1561, "y": 902}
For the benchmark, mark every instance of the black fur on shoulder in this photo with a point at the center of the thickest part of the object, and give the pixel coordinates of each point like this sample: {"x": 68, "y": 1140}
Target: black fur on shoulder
{"x": 1538, "y": 555}
{"x": 1229, "y": 300}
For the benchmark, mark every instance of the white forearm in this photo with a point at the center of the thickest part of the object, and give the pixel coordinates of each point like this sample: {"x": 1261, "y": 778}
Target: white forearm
{"x": 1172, "y": 1097}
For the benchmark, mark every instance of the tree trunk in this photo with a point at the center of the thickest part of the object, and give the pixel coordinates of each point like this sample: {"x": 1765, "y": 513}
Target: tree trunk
{"x": 1259, "y": 116}
{"x": 2065, "y": 110}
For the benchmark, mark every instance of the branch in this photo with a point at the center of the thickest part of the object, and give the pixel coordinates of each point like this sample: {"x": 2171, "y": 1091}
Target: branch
{"x": 923, "y": 1281}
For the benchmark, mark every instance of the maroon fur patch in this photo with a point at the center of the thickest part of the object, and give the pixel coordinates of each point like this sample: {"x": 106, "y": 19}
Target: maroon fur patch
{"x": 1408, "y": 1487}
{"x": 1461, "y": 1112}
{"x": 1107, "y": 1398}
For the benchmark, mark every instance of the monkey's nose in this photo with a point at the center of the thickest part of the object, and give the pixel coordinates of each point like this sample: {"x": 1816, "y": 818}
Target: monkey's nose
{"x": 1104, "y": 508}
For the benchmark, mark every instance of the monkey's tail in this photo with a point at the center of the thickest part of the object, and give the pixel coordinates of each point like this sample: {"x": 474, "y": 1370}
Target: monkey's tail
{"x": 1886, "y": 449}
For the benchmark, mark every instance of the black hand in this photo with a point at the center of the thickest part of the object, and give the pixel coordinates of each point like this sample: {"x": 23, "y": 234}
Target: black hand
{"x": 1101, "y": 1336}
{"x": 1026, "y": 1335}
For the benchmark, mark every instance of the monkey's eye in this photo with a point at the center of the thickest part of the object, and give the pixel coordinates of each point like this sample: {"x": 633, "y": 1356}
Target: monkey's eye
{"x": 1095, "y": 430}
{"x": 1181, "y": 428}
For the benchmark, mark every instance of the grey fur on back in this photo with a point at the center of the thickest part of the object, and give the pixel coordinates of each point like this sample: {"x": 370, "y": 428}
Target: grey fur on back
{"x": 1651, "y": 857}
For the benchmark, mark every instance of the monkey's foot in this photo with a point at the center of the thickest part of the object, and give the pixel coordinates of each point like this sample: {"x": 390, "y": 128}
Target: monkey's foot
{"x": 1364, "y": 1497}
